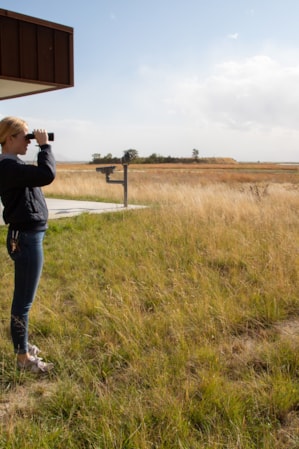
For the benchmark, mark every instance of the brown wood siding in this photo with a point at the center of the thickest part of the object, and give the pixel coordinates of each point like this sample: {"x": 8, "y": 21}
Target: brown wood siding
{"x": 28, "y": 52}
{"x": 33, "y": 50}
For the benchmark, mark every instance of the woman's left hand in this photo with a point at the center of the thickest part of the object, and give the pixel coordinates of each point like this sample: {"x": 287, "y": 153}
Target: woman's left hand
{"x": 41, "y": 136}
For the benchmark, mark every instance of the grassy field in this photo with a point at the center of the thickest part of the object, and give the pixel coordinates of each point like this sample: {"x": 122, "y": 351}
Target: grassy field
{"x": 171, "y": 327}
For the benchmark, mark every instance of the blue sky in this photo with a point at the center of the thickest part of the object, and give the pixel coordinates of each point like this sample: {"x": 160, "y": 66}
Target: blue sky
{"x": 168, "y": 76}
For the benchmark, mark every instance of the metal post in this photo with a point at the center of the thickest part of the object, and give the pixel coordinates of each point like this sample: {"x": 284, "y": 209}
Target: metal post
{"x": 125, "y": 185}
{"x": 108, "y": 171}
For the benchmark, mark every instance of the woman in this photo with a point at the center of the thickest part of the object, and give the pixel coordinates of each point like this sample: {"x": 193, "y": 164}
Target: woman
{"x": 26, "y": 213}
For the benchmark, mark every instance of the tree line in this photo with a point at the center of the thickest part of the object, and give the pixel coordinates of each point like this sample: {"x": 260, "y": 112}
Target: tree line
{"x": 154, "y": 158}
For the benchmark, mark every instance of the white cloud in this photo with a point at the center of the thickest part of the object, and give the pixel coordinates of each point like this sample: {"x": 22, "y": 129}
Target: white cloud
{"x": 256, "y": 92}
{"x": 247, "y": 109}
{"x": 233, "y": 36}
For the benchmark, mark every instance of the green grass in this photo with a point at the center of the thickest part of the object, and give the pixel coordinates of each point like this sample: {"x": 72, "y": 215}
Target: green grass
{"x": 166, "y": 329}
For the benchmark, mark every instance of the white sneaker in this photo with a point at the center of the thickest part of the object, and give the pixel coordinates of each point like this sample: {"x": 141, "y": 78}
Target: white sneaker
{"x": 33, "y": 350}
{"x": 35, "y": 365}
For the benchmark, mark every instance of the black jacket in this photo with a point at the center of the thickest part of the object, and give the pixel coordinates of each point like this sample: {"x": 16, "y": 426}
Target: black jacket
{"x": 24, "y": 203}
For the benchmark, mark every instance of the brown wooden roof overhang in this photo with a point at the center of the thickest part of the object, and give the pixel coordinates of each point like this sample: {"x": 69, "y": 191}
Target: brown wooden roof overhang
{"x": 35, "y": 55}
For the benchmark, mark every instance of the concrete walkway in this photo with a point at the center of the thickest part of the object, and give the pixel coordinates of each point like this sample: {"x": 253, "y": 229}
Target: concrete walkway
{"x": 69, "y": 208}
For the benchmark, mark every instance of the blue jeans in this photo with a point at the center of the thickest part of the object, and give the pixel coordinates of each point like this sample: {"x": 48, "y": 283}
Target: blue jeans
{"x": 28, "y": 260}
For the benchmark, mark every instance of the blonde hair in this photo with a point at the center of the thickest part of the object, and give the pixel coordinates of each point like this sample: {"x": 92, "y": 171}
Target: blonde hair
{"x": 10, "y": 126}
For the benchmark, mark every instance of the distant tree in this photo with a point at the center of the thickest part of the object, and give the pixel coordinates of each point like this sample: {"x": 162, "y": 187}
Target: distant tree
{"x": 132, "y": 153}
{"x": 155, "y": 158}
{"x": 129, "y": 156}
{"x": 195, "y": 154}
{"x": 96, "y": 157}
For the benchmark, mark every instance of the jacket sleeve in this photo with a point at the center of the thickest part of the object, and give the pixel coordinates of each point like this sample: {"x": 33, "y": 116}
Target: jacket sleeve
{"x": 26, "y": 175}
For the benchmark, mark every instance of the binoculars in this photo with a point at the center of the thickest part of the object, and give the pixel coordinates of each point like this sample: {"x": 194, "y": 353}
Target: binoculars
{"x": 31, "y": 136}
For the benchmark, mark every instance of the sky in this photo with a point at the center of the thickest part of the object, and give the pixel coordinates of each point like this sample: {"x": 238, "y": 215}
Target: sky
{"x": 170, "y": 76}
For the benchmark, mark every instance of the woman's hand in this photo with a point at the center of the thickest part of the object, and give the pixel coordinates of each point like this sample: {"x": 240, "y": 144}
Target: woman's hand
{"x": 41, "y": 136}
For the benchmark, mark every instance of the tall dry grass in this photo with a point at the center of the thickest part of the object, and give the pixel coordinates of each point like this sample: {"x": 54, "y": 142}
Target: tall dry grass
{"x": 171, "y": 327}
{"x": 154, "y": 184}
